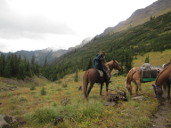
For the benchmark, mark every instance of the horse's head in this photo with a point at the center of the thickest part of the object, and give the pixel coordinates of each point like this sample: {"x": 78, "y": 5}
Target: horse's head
{"x": 158, "y": 91}
{"x": 116, "y": 65}
{"x": 129, "y": 88}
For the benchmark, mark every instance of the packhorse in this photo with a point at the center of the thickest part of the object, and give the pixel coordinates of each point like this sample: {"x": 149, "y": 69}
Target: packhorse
{"x": 92, "y": 76}
{"x": 136, "y": 75}
{"x": 163, "y": 80}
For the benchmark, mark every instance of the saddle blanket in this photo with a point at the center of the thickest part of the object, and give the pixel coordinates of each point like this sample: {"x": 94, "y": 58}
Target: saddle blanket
{"x": 101, "y": 73}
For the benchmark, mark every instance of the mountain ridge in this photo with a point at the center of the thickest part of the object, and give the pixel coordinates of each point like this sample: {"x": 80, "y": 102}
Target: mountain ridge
{"x": 141, "y": 16}
{"x": 47, "y": 55}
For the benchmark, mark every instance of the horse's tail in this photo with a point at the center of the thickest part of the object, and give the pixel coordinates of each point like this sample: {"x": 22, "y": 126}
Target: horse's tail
{"x": 85, "y": 83}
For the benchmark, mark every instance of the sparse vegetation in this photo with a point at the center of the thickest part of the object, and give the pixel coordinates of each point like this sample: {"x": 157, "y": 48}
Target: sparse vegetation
{"x": 32, "y": 88}
{"x": 40, "y": 111}
{"x": 43, "y": 91}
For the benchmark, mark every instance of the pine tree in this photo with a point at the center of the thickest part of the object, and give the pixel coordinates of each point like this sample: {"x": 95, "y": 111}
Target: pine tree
{"x": 33, "y": 60}
{"x": 2, "y": 64}
{"x": 76, "y": 76}
{"x": 8, "y": 68}
{"x": 89, "y": 64}
{"x": 147, "y": 59}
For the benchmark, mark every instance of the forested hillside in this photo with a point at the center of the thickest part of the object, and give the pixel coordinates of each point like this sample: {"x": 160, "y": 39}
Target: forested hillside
{"x": 124, "y": 46}
{"x": 12, "y": 65}
{"x": 154, "y": 35}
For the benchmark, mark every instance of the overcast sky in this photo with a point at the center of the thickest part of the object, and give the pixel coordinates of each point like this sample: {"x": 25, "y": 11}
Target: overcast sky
{"x": 39, "y": 24}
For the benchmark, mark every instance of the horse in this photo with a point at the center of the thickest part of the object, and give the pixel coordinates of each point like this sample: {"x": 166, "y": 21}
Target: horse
{"x": 163, "y": 80}
{"x": 92, "y": 76}
{"x": 135, "y": 76}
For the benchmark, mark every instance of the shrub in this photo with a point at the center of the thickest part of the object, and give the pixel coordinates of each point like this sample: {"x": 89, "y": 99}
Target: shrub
{"x": 18, "y": 99}
{"x": 32, "y": 88}
{"x": 64, "y": 85}
{"x": 43, "y": 115}
{"x": 76, "y": 77}
{"x": 43, "y": 91}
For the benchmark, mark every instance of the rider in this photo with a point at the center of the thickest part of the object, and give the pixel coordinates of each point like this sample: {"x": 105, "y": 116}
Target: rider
{"x": 99, "y": 63}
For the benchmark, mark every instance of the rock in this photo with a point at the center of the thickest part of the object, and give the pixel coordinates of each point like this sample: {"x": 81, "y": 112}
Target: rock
{"x": 116, "y": 97}
{"x": 113, "y": 98}
{"x": 110, "y": 104}
{"x": 6, "y": 121}
{"x": 57, "y": 120}
{"x": 138, "y": 98}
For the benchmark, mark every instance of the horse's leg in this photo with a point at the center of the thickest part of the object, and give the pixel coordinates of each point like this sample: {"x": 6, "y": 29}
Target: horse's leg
{"x": 136, "y": 87}
{"x": 107, "y": 89}
{"x": 129, "y": 88}
{"x": 89, "y": 89}
{"x": 168, "y": 94}
{"x": 165, "y": 91}
{"x": 139, "y": 85}
{"x": 101, "y": 88}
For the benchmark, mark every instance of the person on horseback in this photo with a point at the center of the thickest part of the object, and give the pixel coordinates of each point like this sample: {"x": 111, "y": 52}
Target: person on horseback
{"x": 99, "y": 63}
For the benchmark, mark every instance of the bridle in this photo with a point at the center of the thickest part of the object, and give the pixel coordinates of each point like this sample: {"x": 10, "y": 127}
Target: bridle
{"x": 157, "y": 88}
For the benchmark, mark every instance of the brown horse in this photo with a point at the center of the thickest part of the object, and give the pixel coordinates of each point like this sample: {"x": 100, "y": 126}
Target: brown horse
{"x": 163, "y": 80}
{"x": 134, "y": 75}
{"x": 92, "y": 76}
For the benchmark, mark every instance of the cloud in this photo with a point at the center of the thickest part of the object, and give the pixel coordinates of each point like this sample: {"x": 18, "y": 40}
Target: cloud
{"x": 14, "y": 25}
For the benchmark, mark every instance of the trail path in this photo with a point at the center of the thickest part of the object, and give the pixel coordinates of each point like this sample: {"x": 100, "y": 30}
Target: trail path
{"x": 160, "y": 117}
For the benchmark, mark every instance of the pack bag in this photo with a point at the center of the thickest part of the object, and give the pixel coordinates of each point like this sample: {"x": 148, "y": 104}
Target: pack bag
{"x": 149, "y": 72}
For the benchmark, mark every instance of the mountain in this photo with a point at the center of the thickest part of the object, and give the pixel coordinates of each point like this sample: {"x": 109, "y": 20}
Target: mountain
{"x": 41, "y": 55}
{"x": 48, "y": 55}
{"x": 85, "y": 41}
{"x": 124, "y": 46}
{"x": 141, "y": 16}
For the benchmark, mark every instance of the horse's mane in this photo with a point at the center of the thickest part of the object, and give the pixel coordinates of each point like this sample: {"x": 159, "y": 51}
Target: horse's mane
{"x": 111, "y": 62}
{"x": 169, "y": 65}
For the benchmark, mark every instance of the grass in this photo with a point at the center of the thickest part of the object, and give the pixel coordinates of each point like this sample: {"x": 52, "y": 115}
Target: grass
{"x": 63, "y": 99}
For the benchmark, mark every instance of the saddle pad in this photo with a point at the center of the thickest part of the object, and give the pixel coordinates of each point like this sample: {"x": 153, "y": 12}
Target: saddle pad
{"x": 101, "y": 73}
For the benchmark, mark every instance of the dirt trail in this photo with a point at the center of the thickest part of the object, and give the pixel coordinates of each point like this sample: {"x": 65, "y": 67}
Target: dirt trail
{"x": 160, "y": 117}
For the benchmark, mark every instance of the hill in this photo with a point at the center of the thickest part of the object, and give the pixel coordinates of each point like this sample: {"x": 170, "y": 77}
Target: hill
{"x": 141, "y": 16}
{"x": 154, "y": 35}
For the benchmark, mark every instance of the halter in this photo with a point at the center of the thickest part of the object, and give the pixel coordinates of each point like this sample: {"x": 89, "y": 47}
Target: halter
{"x": 156, "y": 91}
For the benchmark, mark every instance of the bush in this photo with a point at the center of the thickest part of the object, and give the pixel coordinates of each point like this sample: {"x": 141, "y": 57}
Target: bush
{"x": 32, "y": 88}
{"x": 64, "y": 85}
{"x": 18, "y": 99}
{"x": 43, "y": 115}
{"x": 43, "y": 91}
{"x": 72, "y": 112}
